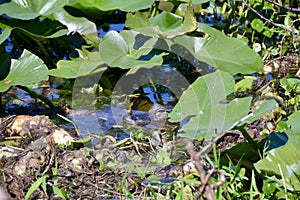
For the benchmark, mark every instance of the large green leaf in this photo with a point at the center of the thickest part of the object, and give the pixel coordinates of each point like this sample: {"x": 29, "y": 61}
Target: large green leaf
{"x": 27, "y": 70}
{"x": 293, "y": 121}
{"x": 261, "y": 111}
{"x": 227, "y": 54}
{"x": 87, "y": 64}
{"x": 76, "y": 24}
{"x": 123, "y": 5}
{"x": 216, "y": 49}
{"x": 34, "y": 28}
{"x": 4, "y": 35}
{"x": 121, "y": 50}
{"x": 167, "y": 25}
{"x": 196, "y": 1}
{"x": 203, "y": 102}
{"x": 30, "y": 9}
{"x": 284, "y": 162}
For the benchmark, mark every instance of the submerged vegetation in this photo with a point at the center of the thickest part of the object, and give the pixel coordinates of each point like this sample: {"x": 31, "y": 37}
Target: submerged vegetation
{"x": 224, "y": 75}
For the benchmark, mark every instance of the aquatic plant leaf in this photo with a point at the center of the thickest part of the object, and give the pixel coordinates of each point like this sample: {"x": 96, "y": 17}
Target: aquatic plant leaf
{"x": 123, "y": 5}
{"x": 196, "y": 1}
{"x": 217, "y": 50}
{"x": 116, "y": 50}
{"x": 165, "y": 25}
{"x": 120, "y": 50}
{"x": 276, "y": 162}
{"x": 35, "y": 28}
{"x": 261, "y": 111}
{"x": 27, "y": 70}
{"x": 76, "y": 24}
{"x": 30, "y": 9}
{"x": 4, "y": 35}
{"x": 205, "y": 105}
{"x": 245, "y": 84}
{"x": 88, "y": 63}
{"x": 293, "y": 121}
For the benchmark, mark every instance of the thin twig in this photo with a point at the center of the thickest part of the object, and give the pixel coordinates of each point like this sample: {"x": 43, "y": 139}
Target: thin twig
{"x": 283, "y": 6}
{"x": 262, "y": 17}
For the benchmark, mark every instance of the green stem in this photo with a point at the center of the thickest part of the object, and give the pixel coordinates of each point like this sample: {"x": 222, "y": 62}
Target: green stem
{"x": 248, "y": 137}
{"x": 36, "y": 95}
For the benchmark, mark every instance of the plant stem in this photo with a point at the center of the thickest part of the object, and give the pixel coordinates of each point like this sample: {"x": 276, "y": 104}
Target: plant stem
{"x": 248, "y": 137}
{"x": 36, "y": 95}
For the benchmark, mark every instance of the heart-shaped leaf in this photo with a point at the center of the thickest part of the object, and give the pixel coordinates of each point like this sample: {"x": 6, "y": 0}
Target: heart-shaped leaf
{"x": 204, "y": 103}
{"x": 166, "y": 25}
{"x": 88, "y": 63}
{"x": 123, "y": 5}
{"x": 30, "y": 9}
{"x": 284, "y": 162}
{"x": 27, "y": 70}
{"x": 119, "y": 50}
{"x": 217, "y": 50}
{"x": 76, "y": 24}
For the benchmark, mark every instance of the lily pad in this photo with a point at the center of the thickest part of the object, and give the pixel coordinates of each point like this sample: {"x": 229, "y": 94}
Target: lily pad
{"x": 119, "y": 50}
{"x": 76, "y": 24}
{"x": 261, "y": 111}
{"x": 227, "y": 54}
{"x": 27, "y": 70}
{"x": 293, "y": 121}
{"x": 34, "y": 28}
{"x": 195, "y": 1}
{"x": 88, "y": 63}
{"x": 204, "y": 103}
{"x": 166, "y": 25}
{"x": 30, "y": 9}
{"x": 286, "y": 167}
{"x": 123, "y": 5}
{"x": 4, "y": 35}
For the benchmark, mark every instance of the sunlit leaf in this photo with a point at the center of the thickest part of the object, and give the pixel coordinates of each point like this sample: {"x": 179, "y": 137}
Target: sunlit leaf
{"x": 293, "y": 121}
{"x": 123, "y": 5}
{"x": 227, "y": 54}
{"x": 120, "y": 50}
{"x": 30, "y": 9}
{"x": 258, "y": 25}
{"x": 166, "y": 25}
{"x": 245, "y": 84}
{"x": 209, "y": 112}
{"x": 76, "y": 24}
{"x": 284, "y": 162}
{"x": 88, "y": 63}
{"x": 28, "y": 69}
{"x": 4, "y": 35}
{"x": 261, "y": 110}
{"x": 196, "y": 1}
